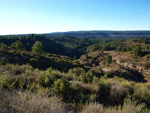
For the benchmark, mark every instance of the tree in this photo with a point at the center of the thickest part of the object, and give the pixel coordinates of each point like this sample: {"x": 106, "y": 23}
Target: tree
{"x": 108, "y": 59}
{"x": 3, "y": 47}
{"x": 119, "y": 48}
{"x": 87, "y": 77}
{"x": 17, "y": 45}
{"x": 102, "y": 51}
{"x": 137, "y": 51}
{"x": 37, "y": 48}
{"x": 86, "y": 56}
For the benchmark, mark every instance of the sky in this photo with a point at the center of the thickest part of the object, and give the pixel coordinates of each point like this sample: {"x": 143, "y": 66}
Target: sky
{"x": 45, "y": 16}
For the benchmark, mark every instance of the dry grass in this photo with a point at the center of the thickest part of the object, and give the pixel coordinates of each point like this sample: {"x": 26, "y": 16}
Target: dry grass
{"x": 90, "y": 86}
{"x": 117, "y": 92}
{"x": 129, "y": 106}
{"x": 97, "y": 108}
{"x": 25, "y": 102}
{"x": 18, "y": 69}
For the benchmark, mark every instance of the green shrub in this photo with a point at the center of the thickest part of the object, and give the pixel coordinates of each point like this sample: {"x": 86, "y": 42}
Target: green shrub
{"x": 61, "y": 61}
{"x": 28, "y": 73}
{"x": 77, "y": 71}
{"x": 6, "y": 81}
{"x": 3, "y": 47}
{"x": 62, "y": 87}
{"x": 46, "y": 80}
{"x": 3, "y": 61}
{"x": 18, "y": 69}
{"x": 34, "y": 62}
{"x": 87, "y": 77}
{"x": 48, "y": 54}
{"x": 21, "y": 83}
{"x": 76, "y": 63}
{"x": 129, "y": 106}
{"x": 142, "y": 93}
{"x": 128, "y": 86}
{"x": 81, "y": 95}
{"x": 147, "y": 65}
{"x": 133, "y": 106}
{"x": 104, "y": 90}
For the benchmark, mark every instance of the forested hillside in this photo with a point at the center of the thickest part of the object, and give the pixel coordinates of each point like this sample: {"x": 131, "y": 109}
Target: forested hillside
{"x": 49, "y": 45}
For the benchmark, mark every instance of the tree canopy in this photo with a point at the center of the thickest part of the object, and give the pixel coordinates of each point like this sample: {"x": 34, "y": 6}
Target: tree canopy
{"x": 37, "y": 48}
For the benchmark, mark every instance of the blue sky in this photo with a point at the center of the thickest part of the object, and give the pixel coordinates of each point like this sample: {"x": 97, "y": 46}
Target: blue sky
{"x": 44, "y": 16}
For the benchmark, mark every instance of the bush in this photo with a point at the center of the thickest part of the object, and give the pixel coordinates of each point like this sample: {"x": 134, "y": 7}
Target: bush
{"x": 46, "y": 80}
{"x": 87, "y": 77}
{"x": 17, "y": 45}
{"x": 133, "y": 106}
{"x": 129, "y": 106}
{"x": 28, "y": 73}
{"x": 142, "y": 93}
{"x": 77, "y": 63}
{"x": 77, "y": 71}
{"x": 81, "y": 94}
{"x": 61, "y": 61}
{"x": 6, "y": 81}
{"x": 3, "y": 47}
{"x": 62, "y": 87}
{"x": 18, "y": 69}
{"x": 128, "y": 86}
{"x": 117, "y": 93}
{"x": 34, "y": 62}
{"x": 93, "y": 108}
{"x": 104, "y": 90}
{"x": 3, "y": 61}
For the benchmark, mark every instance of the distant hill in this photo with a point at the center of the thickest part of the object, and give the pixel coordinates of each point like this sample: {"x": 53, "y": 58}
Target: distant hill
{"x": 50, "y": 46}
{"x": 105, "y": 34}
{"x": 98, "y": 34}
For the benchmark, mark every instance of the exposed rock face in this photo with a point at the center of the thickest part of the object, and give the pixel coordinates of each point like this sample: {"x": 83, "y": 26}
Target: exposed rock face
{"x": 137, "y": 66}
{"x": 131, "y": 65}
{"x": 94, "y": 65}
{"x": 101, "y": 63}
{"x": 140, "y": 67}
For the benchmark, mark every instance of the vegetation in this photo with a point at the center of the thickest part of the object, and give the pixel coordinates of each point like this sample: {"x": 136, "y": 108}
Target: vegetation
{"x": 137, "y": 51}
{"x": 108, "y": 59}
{"x": 37, "y": 48}
{"x": 105, "y": 34}
{"x": 62, "y": 73}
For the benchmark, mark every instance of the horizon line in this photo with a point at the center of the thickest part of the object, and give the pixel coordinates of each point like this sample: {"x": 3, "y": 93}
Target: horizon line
{"x": 67, "y": 31}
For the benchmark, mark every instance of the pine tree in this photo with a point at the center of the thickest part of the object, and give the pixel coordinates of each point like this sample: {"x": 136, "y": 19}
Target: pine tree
{"x": 37, "y": 48}
{"x": 108, "y": 59}
{"x": 137, "y": 51}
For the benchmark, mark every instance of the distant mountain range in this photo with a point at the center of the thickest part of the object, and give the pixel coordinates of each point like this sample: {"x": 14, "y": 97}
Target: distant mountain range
{"x": 100, "y": 34}
{"x": 104, "y": 34}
